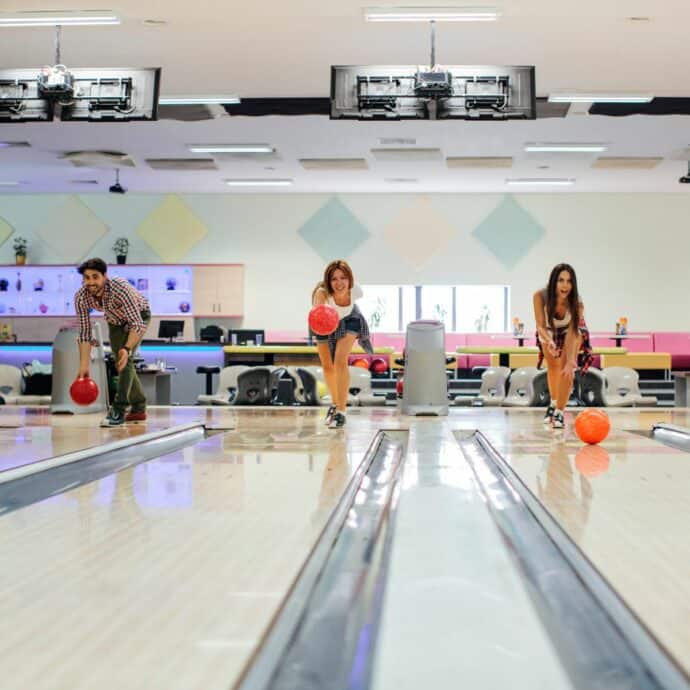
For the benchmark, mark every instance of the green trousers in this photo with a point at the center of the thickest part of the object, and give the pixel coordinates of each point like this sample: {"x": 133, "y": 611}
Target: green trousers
{"x": 128, "y": 392}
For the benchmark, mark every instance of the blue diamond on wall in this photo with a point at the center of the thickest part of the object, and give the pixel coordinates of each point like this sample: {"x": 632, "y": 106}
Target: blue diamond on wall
{"x": 509, "y": 232}
{"x": 333, "y": 232}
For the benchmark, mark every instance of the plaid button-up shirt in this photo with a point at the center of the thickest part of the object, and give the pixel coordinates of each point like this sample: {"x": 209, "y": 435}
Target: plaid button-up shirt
{"x": 122, "y": 306}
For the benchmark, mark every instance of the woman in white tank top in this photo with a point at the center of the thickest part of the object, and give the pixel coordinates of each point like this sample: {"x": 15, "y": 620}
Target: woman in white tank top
{"x": 338, "y": 290}
{"x": 561, "y": 336}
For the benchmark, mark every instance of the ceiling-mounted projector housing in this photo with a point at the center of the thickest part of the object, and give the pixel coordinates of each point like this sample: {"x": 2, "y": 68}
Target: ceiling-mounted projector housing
{"x": 96, "y": 95}
{"x": 466, "y": 92}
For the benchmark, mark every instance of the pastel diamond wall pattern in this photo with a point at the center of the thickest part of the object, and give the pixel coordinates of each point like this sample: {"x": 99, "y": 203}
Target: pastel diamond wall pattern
{"x": 172, "y": 230}
{"x": 509, "y": 232}
{"x": 418, "y": 232}
{"x": 333, "y": 232}
{"x": 73, "y": 228}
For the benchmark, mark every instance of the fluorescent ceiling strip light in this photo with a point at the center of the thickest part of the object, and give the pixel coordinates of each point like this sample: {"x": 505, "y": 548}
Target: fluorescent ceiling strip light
{"x": 565, "y": 148}
{"x": 600, "y": 97}
{"x": 9, "y": 184}
{"x": 428, "y": 14}
{"x": 541, "y": 181}
{"x": 258, "y": 183}
{"x": 52, "y": 18}
{"x": 198, "y": 100}
{"x": 232, "y": 148}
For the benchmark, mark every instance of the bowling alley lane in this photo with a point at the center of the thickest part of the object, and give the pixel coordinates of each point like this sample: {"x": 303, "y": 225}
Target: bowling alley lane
{"x": 625, "y": 503}
{"x": 30, "y": 434}
{"x": 167, "y": 574}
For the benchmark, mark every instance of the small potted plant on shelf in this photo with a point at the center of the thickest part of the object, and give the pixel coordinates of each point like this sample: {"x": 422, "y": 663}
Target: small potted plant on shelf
{"x": 121, "y": 247}
{"x": 19, "y": 246}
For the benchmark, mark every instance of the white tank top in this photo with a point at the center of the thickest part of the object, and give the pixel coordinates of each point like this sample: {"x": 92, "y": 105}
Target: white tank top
{"x": 355, "y": 294}
{"x": 557, "y": 323}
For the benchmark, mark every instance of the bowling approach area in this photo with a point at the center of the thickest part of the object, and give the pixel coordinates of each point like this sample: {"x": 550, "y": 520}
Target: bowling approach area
{"x": 246, "y": 548}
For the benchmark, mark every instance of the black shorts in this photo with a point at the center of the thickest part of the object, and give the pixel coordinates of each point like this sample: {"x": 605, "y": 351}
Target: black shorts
{"x": 352, "y": 325}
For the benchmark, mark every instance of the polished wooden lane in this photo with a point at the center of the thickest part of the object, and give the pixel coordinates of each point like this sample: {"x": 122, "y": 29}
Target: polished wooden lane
{"x": 30, "y": 434}
{"x": 625, "y": 503}
{"x": 166, "y": 575}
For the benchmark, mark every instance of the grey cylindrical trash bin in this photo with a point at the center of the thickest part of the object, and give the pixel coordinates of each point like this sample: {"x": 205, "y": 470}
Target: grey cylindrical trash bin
{"x": 426, "y": 387}
{"x": 66, "y": 367}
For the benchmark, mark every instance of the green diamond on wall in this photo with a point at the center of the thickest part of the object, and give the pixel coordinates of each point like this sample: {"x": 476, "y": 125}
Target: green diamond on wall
{"x": 509, "y": 232}
{"x": 333, "y": 232}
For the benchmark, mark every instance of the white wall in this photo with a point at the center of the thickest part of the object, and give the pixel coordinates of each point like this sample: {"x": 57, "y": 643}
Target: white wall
{"x": 631, "y": 251}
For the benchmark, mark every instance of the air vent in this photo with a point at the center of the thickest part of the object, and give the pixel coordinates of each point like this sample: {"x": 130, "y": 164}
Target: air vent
{"x": 410, "y": 155}
{"x": 479, "y": 162}
{"x": 98, "y": 159}
{"x": 397, "y": 141}
{"x": 182, "y": 164}
{"x": 622, "y": 163}
{"x": 334, "y": 163}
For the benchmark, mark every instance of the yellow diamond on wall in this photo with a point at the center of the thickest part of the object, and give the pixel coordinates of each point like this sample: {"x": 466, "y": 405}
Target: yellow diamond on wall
{"x": 418, "y": 232}
{"x": 5, "y": 230}
{"x": 72, "y": 229}
{"x": 172, "y": 230}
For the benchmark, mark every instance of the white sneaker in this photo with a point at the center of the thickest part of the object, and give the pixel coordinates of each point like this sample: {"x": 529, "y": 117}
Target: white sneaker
{"x": 329, "y": 415}
{"x": 558, "y": 421}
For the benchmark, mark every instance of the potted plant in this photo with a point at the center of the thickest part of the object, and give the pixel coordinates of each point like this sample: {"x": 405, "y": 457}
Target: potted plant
{"x": 121, "y": 247}
{"x": 19, "y": 246}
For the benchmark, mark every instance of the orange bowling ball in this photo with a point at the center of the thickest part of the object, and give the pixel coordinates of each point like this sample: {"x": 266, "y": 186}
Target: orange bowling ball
{"x": 592, "y": 461}
{"x": 592, "y": 426}
{"x": 84, "y": 391}
{"x": 323, "y": 320}
{"x": 360, "y": 362}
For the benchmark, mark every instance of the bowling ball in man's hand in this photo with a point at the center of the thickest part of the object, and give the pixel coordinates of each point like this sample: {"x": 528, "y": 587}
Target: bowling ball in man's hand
{"x": 84, "y": 391}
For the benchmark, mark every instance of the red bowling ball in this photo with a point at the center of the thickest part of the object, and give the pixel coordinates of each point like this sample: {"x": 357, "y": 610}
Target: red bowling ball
{"x": 84, "y": 391}
{"x": 378, "y": 365}
{"x": 323, "y": 320}
{"x": 399, "y": 386}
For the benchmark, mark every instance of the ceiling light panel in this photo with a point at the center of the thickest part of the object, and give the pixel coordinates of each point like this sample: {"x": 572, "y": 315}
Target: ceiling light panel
{"x": 540, "y": 181}
{"x": 258, "y": 183}
{"x": 59, "y": 18}
{"x": 592, "y": 97}
{"x": 564, "y": 147}
{"x": 429, "y": 14}
{"x": 231, "y": 148}
{"x": 199, "y": 100}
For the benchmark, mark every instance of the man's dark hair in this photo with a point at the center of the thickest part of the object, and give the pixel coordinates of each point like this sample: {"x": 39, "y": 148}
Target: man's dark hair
{"x": 94, "y": 264}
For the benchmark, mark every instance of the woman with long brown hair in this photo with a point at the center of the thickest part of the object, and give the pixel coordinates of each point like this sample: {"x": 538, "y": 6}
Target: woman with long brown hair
{"x": 562, "y": 338}
{"x": 338, "y": 290}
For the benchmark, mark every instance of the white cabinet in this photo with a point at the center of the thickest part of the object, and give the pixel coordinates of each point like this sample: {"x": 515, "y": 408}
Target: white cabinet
{"x": 218, "y": 290}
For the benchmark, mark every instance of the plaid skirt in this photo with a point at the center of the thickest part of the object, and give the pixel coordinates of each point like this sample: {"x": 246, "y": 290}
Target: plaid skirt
{"x": 584, "y": 356}
{"x": 361, "y": 328}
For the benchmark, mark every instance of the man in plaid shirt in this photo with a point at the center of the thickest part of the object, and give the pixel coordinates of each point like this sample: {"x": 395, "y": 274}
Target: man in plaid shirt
{"x": 128, "y": 314}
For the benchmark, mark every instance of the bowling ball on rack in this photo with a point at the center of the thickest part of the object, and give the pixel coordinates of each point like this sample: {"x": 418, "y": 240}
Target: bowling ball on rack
{"x": 399, "y": 387}
{"x": 378, "y": 365}
{"x": 84, "y": 391}
{"x": 592, "y": 426}
{"x": 360, "y": 362}
{"x": 323, "y": 320}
